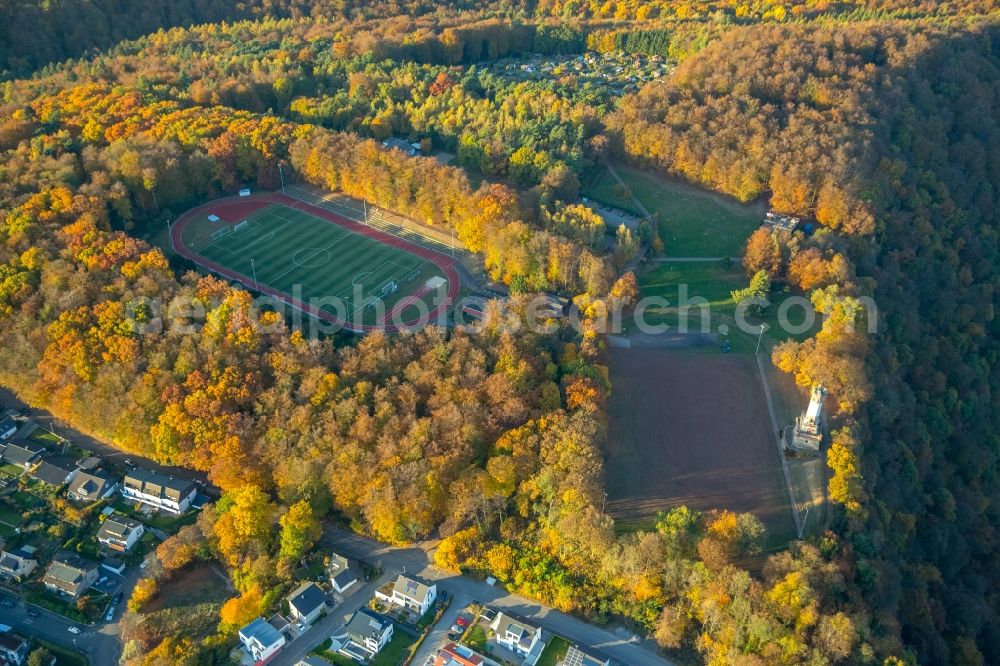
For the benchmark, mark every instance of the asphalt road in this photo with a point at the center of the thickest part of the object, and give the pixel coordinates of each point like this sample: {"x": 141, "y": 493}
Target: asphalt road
{"x": 44, "y": 419}
{"x": 356, "y": 597}
{"x": 438, "y": 637}
{"x": 102, "y": 645}
{"x": 416, "y": 561}
{"x": 99, "y": 643}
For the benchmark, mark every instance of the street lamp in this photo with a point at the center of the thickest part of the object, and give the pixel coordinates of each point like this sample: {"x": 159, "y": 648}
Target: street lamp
{"x": 759, "y": 336}
{"x": 253, "y": 267}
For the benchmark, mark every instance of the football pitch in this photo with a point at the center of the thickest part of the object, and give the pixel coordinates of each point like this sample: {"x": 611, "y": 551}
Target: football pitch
{"x": 338, "y": 269}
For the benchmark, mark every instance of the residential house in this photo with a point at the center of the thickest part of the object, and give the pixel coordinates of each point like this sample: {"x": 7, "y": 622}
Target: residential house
{"x": 367, "y": 633}
{"x": 342, "y": 576}
{"x": 279, "y": 622}
{"x": 159, "y": 490}
{"x": 8, "y": 427}
{"x": 519, "y": 636}
{"x": 17, "y": 564}
{"x": 55, "y": 471}
{"x": 408, "y": 593}
{"x": 23, "y": 454}
{"x": 783, "y": 222}
{"x": 261, "y": 640}
{"x": 91, "y": 486}
{"x": 69, "y": 575}
{"x": 14, "y": 649}
{"x": 410, "y": 149}
{"x": 114, "y": 564}
{"x": 306, "y": 603}
{"x": 90, "y": 463}
{"x": 119, "y": 532}
{"x": 581, "y": 656}
{"x": 453, "y": 654}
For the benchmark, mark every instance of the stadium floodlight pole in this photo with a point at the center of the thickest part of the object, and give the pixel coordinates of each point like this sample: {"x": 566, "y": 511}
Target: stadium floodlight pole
{"x": 759, "y": 336}
{"x": 170, "y": 235}
{"x": 364, "y": 202}
{"x": 282, "y": 177}
{"x": 253, "y": 267}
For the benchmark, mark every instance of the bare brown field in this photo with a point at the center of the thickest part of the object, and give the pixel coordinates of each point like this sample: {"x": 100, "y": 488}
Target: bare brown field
{"x": 693, "y": 429}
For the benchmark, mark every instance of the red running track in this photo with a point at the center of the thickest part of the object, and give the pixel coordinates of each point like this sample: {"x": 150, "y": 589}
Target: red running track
{"x": 442, "y": 261}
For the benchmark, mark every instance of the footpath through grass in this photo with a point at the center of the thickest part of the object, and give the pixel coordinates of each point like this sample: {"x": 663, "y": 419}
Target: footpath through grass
{"x": 693, "y": 222}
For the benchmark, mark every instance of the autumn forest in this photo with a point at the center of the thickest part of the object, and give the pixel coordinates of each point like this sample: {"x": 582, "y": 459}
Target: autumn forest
{"x": 879, "y": 120}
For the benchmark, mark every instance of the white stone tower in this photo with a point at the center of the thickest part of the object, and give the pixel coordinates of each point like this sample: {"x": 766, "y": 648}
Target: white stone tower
{"x": 808, "y": 433}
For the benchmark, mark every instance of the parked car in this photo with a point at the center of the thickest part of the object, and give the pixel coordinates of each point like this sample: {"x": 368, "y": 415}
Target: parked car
{"x": 74, "y": 630}
{"x": 462, "y": 622}
{"x": 456, "y": 629}
{"x": 32, "y": 612}
{"x": 118, "y": 599}
{"x": 111, "y": 614}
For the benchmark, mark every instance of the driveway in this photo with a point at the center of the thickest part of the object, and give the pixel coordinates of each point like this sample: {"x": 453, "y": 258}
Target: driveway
{"x": 438, "y": 637}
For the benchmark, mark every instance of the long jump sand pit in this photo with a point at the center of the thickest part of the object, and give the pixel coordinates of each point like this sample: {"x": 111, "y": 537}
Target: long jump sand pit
{"x": 692, "y": 428}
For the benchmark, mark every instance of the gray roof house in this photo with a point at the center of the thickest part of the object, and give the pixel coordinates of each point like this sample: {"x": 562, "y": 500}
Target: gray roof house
{"x": 159, "y": 490}
{"x": 70, "y": 575}
{"x": 408, "y": 593}
{"x": 90, "y": 486}
{"x": 261, "y": 640}
{"x": 312, "y": 661}
{"x": 55, "y": 471}
{"x": 342, "y": 576}
{"x": 23, "y": 454}
{"x": 520, "y": 636}
{"x": 8, "y": 427}
{"x": 13, "y": 649}
{"x": 17, "y": 564}
{"x": 306, "y": 602}
{"x": 581, "y": 656}
{"x": 367, "y": 633}
{"x": 119, "y": 532}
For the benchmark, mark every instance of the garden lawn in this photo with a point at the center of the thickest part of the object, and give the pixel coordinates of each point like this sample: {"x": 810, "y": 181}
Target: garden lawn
{"x": 397, "y": 649}
{"x": 554, "y": 651}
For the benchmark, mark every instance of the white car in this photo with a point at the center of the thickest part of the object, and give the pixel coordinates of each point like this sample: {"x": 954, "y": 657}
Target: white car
{"x": 111, "y": 614}
{"x": 74, "y": 630}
